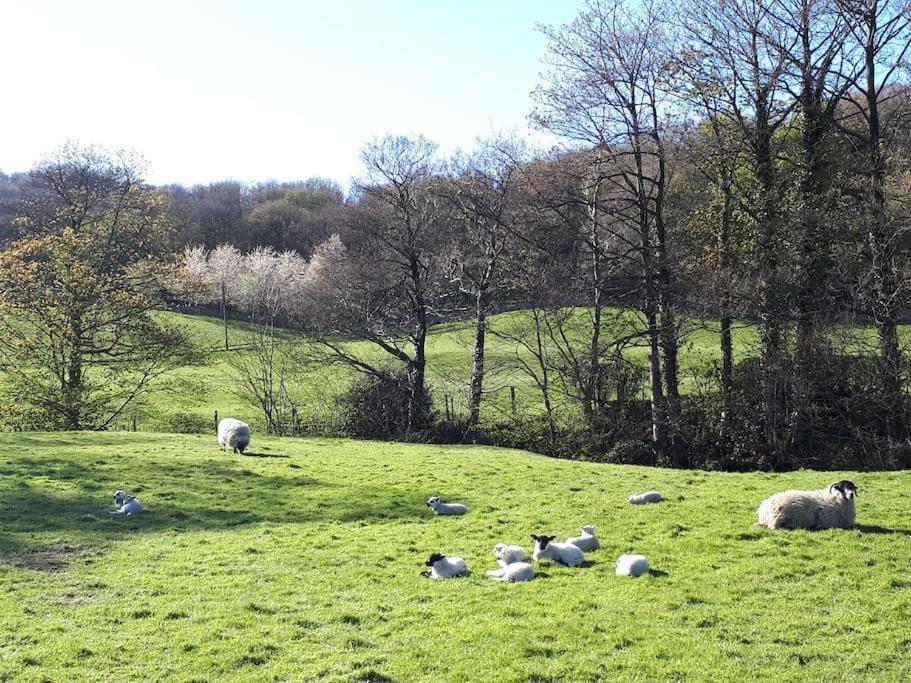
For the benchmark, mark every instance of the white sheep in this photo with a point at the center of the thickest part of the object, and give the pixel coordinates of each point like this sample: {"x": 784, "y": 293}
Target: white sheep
{"x": 507, "y": 554}
{"x": 442, "y": 567}
{"x": 515, "y": 571}
{"x": 632, "y": 565}
{"x": 643, "y": 498}
{"x": 233, "y": 434}
{"x": 564, "y": 553}
{"x": 587, "y": 541}
{"x": 441, "y": 508}
{"x": 828, "y": 508}
{"x": 126, "y": 504}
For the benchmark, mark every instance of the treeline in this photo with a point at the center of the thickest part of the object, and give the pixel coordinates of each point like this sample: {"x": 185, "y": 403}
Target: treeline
{"x": 738, "y": 161}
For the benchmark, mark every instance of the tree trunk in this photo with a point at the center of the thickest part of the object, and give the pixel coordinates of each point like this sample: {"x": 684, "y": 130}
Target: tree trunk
{"x": 477, "y": 366}
{"x": 224, "y": 311}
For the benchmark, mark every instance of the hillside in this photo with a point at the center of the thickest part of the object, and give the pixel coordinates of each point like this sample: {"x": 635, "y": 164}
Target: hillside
{"x": 302, "y": 560}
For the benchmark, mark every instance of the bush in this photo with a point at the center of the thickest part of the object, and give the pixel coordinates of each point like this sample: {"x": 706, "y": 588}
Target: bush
{"x": 190, "y": 423}
{"x": 378, "y": 407}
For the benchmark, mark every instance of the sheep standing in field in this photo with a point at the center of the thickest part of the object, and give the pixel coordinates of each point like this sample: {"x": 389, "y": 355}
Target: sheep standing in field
{"x": 126, "y": 504}
{"x": 442, "y": 567}
{"x": 233, "y": 434}
{"x": 513, "y": 572}
{"x": 564, "y": 553}
{"x": 828, "y": 508}
{"x": 643, "y": 498}
{"x": 587, "y": 541}
{"x": 507, "y": 554}
{"x": 441, "y": 508}
{"x": 631, "y": 565}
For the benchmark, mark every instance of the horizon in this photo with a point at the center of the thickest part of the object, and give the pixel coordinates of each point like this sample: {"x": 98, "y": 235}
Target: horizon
{"x": 248, "y": 102}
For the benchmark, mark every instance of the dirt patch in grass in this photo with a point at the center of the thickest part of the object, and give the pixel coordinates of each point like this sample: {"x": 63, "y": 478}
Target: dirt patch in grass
{"x": 49, "y": 558}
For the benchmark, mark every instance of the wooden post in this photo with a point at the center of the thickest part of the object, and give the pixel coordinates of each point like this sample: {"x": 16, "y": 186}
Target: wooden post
{"x": 294, "y": 425}
{"x": 512, "y": 399}
{"x": 134, "y": 424}
{"x": 216, "y": 421}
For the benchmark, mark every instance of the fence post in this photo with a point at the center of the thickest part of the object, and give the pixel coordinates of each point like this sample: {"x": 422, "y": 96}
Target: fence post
{"x": 294, "y": 425}
{"x": 512, "y": 399}
{"x": 216, "y": 421}
{"x": 134, "y": 424}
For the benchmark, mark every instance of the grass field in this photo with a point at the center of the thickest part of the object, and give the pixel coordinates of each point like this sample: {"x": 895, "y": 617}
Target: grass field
{"x": 301, "y": 562}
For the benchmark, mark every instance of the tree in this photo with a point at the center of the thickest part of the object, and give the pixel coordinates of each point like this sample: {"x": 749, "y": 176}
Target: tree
{"x": 216, "y": 273}
{"x": 77, "y": 288}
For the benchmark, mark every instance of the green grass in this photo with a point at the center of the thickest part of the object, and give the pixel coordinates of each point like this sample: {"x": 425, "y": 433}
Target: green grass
{"x": 302, "y": 562}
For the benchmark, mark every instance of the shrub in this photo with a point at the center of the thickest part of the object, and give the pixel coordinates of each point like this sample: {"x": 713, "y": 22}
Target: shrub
{"x": 190, "y": 423}
{"x": 378, "y": 407}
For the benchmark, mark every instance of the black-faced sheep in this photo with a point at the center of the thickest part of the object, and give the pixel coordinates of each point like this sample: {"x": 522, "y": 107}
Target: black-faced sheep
{"x": 564, "y": 553}
{"x": 442, "y": 567}
{"x": 233, "y": 434}
{"x": 828, "y": 508}
{"x": 126, "y": 504}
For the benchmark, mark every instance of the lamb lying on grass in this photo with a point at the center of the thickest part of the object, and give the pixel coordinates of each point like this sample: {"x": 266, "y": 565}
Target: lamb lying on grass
{"x": 828, "y": 508}
{"x": 513, "y": 572}
{"x": 442, "y": 567}
{"x": 233, "y": 434}
{"x": 564, "y": 553}
{"x": 587, "y": 541}
{"x": 441, "y": 508}
{"x": 126, "y": 504}
{"x": 507, "y": 554}
{"x": 632, "y": 565}
{"x": 643, "y": 498}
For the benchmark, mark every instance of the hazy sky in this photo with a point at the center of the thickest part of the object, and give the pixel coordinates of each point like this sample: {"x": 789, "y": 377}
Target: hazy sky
{"x": 261, "y": 89}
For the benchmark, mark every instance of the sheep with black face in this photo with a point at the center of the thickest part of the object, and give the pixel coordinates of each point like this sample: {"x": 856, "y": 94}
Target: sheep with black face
{"x": 564, "y": 553}
{"x": 126, "y": 504}
{"x": 828, "y": 508}
{"x": 442, "y": 567}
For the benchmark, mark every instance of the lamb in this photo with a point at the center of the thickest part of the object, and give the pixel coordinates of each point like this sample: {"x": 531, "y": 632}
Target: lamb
{"x": 564, "y": 553}
{"x": 441, "y": 508}
{"x": 442, "y": 567}
{"x": 631, "y": 565}
{"x": 643, "y": 498}
{"x": 234, "y": 434}
{"x": 828, "y": 508}
{"x": 516, "y": 571}
{"x": 126, "y": 504}
{"x": 507, "y": 554}
{"x": 587, "y": 541}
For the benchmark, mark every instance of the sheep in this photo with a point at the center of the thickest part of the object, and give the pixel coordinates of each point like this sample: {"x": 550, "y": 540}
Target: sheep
{"x": 442, "y": 567}
{"x": 828, "y": 508}
{"x": 587, "y": 541}
{"x": 234, "y": 434}
{"x": 441, "y": 508}
{"x": 631, "y": 565}
{"x": 126, "y": 504}
{"x": 643, "y": 498}
{"x": 507, "y": 554}
{"x": 516, "y": 571}
{"x": 564, "y": 553}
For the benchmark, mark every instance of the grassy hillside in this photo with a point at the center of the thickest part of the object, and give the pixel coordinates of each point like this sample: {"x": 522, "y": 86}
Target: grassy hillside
{"x": 199, "y": 391}
{"x": 301, "y": 561}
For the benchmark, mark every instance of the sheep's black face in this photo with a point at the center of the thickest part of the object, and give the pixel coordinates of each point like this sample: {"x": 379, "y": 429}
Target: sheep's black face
{"x": 119, "y": 498}
{"x": 434, "y": 558}
{"x": 848, "y": 489}
{"x": 433, "y": 501}
{"x": 542, "y": 541}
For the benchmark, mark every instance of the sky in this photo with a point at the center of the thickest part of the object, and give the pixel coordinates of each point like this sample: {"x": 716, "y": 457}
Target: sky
{"x": 264, "y": 89}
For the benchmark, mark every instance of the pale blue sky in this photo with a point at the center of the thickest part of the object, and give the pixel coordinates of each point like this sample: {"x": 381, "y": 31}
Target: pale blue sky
{"x": 252, "y": 90}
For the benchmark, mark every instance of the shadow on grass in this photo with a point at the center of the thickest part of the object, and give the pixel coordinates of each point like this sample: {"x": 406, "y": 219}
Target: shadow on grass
{"x": 873, "y": 529}
{"x": 265, "y": 455}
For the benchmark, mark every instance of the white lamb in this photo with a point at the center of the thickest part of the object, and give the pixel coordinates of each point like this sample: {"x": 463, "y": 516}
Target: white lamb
{"x": 828, "y": 508}
{"x": 516, "y": 571}
{"x": 632, "y": 565}
{"x": 233, "y": 434}
{"x": 126, "y": 504}
{"x": 643, "y": 498}
{"x": 442, "y": 567}
{"x": 564, "y": 553}
{"x": 441, "y": 508}
{"x": 587, "y": 541}
{"x": 507, "y": 554}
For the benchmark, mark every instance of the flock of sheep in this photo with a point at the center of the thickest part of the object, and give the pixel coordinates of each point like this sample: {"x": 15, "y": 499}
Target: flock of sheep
{"x": 831, "y": 507}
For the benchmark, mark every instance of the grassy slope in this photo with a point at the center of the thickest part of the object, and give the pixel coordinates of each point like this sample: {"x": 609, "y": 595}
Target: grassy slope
{"x": 304, "y": 565}
{"x": 202, "y": 390}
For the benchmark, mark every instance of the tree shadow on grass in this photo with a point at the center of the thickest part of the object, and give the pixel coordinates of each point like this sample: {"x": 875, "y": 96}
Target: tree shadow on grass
{"x": 874, "y": 529}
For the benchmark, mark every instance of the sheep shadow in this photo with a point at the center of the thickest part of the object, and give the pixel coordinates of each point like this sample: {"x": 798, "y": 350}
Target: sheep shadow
{"x": 248, "y": 454}
{"x": 875, "y": 529}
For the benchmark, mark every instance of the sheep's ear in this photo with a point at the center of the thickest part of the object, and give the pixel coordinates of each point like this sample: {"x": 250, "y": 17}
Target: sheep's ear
{"x": 534, "y": 538}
